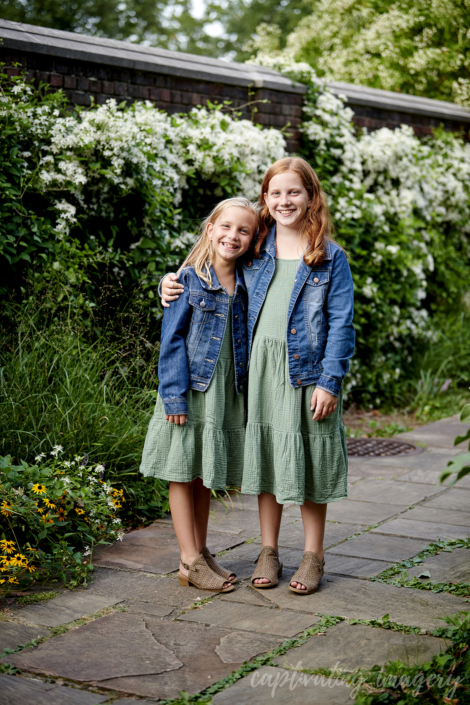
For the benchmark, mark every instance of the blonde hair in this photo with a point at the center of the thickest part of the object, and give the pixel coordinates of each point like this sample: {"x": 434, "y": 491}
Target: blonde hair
{"x": 316, "y": 225}
{"x": 202, "y": 254}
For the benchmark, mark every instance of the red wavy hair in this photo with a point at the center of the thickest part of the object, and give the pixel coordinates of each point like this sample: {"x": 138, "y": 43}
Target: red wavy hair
{"x": 316, "y": 224}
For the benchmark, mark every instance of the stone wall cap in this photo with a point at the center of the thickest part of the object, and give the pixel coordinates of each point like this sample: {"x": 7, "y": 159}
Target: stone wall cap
{"x": 399, "y": 102}
{"x": 70, "y": 45}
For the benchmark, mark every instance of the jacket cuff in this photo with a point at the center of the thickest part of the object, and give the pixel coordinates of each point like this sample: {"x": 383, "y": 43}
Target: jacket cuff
{"x": 328, "y": 384}
{"x": 175, "y": 407}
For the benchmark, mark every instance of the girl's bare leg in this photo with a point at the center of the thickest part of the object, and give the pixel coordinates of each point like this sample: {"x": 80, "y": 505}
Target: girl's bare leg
{"x": 270, "y": 515}
{"x": 314, "y": 518}
{"x": 202, "y": 501}
{"x": 189, "y": 505}
{"x": 182, "y": 513}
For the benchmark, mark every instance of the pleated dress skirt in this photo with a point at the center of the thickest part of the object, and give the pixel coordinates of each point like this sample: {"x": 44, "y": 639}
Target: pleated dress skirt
{"x": 210, "y": 444}
{"x": 287, "y": 453}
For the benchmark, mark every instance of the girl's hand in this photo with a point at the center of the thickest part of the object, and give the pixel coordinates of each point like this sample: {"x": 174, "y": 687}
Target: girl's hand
{"x": 323, "y": 403}
{"x": 170, "y": 289}
{"x": 179, "y": 419}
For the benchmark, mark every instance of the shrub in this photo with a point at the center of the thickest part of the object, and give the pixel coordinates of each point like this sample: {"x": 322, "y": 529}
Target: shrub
{"x": 54, "y": 512}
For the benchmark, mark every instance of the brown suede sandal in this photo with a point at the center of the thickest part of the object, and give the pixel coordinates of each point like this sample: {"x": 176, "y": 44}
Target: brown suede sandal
{"x": 217, "y": 568}
{"x": 268, "y": 566}
{"x": 309, "y": 574}
{"x": 202, "y": 577}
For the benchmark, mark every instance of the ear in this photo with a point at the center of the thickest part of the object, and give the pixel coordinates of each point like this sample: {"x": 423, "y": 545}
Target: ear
{"x": 209, "y": 229}
{"x": 265, "y": 195}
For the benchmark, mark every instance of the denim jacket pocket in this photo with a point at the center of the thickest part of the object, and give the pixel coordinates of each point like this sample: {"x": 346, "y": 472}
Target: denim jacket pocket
{"x": 314, "y": 298}
{"x": 203, "y": 307}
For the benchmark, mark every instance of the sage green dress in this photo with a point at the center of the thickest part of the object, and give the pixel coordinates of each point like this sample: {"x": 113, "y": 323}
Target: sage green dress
{"x": 210, "y": 444}
{"x": 287, "y": 453}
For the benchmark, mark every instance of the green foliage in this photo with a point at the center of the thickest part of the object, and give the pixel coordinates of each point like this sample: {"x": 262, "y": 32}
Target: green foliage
{"x": 86, "y": 383}
{"x": 459, "y": 466}
{"x": 444, "y": 679}
{"x": 410, "y": 46}
{"x": 50, "y": 511}
{"x": 35, "y": 598}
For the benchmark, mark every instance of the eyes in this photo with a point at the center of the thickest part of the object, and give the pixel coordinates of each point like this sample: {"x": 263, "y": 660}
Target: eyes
{"x": 245, "y": 231}
{"x": 293, "y": 192}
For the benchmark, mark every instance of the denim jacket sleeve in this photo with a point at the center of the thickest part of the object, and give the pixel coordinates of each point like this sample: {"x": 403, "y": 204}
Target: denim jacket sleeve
{"x": 339, "y": 311}
{"x": 173, "y": 372}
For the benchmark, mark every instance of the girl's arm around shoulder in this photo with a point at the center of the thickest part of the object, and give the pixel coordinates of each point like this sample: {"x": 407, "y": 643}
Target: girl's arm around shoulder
{"x": 173, "y": 369}
{"x": 339, "y": 311}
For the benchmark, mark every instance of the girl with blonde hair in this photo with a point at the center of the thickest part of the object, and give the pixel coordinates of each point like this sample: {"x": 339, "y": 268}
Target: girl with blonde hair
{"x": 198, "y": 428}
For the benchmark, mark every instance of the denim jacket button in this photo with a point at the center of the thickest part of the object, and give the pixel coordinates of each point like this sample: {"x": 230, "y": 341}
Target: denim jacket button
{"x": 296, "y": 357}
{"x": 236, "y": 316}
{"x": 203, "y": 304}
{"x": 239, "y": 340}
{"x": 299, "y": 381}
{"x": 316, "y": 280}
{"x": 241, "y": 364}
{"x": 250, "y": 263}
{"x": 293, "y": 331}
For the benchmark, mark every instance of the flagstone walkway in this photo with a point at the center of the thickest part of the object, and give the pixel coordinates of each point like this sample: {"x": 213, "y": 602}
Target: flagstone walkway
{"x": 141, "y": 637}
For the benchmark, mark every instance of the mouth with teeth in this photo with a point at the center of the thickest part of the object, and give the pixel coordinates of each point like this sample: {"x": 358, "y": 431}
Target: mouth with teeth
{"x": 229, "y": 246}
{"x": 287, "y": 211}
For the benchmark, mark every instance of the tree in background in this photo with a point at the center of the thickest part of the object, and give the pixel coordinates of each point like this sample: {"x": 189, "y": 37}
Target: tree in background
{"x": 168, "y": 24}
{"x": 224, "y": 29}
{"x": 412, "y": 46}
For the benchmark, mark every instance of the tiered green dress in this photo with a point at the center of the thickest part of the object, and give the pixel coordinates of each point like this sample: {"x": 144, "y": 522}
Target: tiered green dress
{"x": 287, "y": 453}
{"x": 210, "y": 444}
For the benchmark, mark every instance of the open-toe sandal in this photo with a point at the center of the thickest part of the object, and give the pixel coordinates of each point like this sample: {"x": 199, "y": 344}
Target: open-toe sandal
{"x": 203, "y": 577}
{"x": 309, "y": 574}
{"x": 268, "y": 566}
{"x": 217, "y": 568}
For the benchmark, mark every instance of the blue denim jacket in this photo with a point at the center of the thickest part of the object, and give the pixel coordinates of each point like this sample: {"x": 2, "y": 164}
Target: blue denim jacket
{"x": 192, "y": 334}
{"x": 320, "y": 333}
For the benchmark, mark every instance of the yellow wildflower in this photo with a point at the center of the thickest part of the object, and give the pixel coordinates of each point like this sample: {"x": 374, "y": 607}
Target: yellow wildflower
{"x": 6, "y": 508}
{"x": 48, "y": 503}
{"x": 38, "y": 489}
{"x": 7, "y": 546}
{"x": 13, "y": 580}
{"x": 79, "y": 511}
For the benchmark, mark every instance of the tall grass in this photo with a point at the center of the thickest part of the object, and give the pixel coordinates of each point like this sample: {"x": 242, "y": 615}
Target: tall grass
{"x": 441, "y": 384}
{"x": 87, "y": 385}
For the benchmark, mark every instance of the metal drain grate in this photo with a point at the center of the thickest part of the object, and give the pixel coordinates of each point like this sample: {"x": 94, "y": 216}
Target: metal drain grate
{"x": 379, "y": 447}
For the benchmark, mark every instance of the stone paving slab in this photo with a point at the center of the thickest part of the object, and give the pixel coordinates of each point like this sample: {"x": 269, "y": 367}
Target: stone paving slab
{"x": 439, "y": 433}
{"x": 242, "y": 559}
{"x": 149, "y": 608}
{"x": 65, "y": 608}
{"x": 380, "y": 547}
{"x": 147, "y": 656}
{"x": 430, "y": 460}
{"x": 422, "y": 529}
{"x": 243, "y": 524}
{"x": 431, "y": 477}
{"x": 455, "y": 499}
{"x": 381, "y": 491}
{"x": 246, "y": 595}
{"x": 353, "y": 566}
{"x": 438, "y": 516}
{"x": 125, "y": 585}
{"x": 352, "y": 646}
{"x": 116, "y": 645}
{"x": 155, "y": 549}
{"x": 350, "y": 511}
{"x": 446, "y": 567}
{"x": 362, "y": 599}
{"x": 269, "y": 685}
{"x": 224, "y": 651}
{"x": 261, "y": 620}
{"x": 29, "y": 691}
{"x": 13, "y": 635}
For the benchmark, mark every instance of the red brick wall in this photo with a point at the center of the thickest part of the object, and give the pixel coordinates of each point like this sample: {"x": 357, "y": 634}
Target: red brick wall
{"x": 423, "y": 125}
{"x": 81, "y": 81}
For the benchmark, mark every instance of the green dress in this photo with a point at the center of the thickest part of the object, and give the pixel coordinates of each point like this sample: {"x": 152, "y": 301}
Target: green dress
{"x": 287, "y": 453}
{"x": 210, "y": 444}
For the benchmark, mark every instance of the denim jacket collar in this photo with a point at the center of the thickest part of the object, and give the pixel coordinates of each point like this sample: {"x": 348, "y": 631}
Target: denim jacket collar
{"x": 270, "y": 245}
{"x": 216, "y": 285}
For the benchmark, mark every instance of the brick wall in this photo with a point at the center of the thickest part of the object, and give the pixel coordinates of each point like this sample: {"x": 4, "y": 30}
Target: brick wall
{"x": 374, "y": 119}
{"x": 84, "y": 81}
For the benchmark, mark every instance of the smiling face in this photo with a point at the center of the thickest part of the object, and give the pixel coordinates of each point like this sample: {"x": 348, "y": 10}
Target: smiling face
{"x": 231, "y": 234}
{"x": 287, "y": 199}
